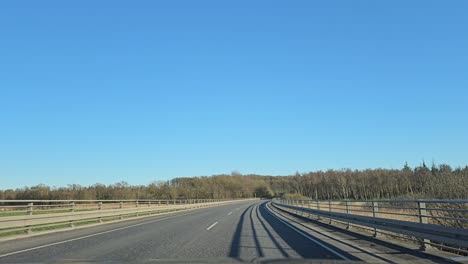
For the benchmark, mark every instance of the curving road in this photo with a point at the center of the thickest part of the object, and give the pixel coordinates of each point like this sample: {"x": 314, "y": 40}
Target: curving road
{"x": 241, "y": 231}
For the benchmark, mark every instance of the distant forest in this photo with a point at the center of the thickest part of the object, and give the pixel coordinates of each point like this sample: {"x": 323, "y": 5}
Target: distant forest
{"x": 436, "y": 181}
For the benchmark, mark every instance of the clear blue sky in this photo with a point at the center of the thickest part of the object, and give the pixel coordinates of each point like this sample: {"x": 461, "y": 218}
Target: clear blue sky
{"x": 104, "y": 91}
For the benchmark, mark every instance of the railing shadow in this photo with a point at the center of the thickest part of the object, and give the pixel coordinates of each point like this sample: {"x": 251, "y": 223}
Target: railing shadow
{"x": 236, "y": 240}
{"x": 304, "y": 247}
{"x": 234, "y": 251}
{"x": 357, "y": 236}
{"x": 270, "y": 235}
{"x": 258, "y": 247}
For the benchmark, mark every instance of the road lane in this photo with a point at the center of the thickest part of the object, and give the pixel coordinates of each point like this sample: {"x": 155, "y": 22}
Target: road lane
{"x": 245, "y": 230}
{"x": 156, "y": 239}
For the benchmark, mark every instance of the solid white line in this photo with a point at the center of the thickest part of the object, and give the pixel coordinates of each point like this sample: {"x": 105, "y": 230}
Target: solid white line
{"x": 211, "y": 226}
{"x": 373, "y": 254}
{"x": 83, "y": 237}
{"x": 459, "y": 259}
{"x": 308, "y": 237}
{"x": 229, "y": 213}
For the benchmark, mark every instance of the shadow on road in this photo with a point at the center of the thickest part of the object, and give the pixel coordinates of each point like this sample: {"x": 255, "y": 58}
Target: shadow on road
{"x": 275, "y": 231}
{"x": 234, "y": 252}
{"x": 396, "y": 248}
{"x": 303, "y": 246}
{"x": 270, "y": 235}
{"x": 258, "y": 247}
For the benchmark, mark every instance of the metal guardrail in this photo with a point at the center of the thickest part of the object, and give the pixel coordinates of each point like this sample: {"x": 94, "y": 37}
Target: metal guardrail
{"x": 440, "y": 223}
{"x": 25, "y": 215}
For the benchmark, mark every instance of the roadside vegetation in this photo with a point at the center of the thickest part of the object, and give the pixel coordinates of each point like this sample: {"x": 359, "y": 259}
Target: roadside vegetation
{"x": 435, "y": 182}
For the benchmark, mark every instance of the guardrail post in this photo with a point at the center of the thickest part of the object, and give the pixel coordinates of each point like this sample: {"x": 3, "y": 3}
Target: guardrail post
{"x": 30, "y": 209}
{"x": 28, "y": 229}
{"x": 149, "y": 203}
{"x": 318, "y": 208}
{"x": 422, "y": 215}
{"x": 121, "y": 206}
{"x": 136, "y": 205}
{"x": 72, "y": 209}
{"x": 348, "y": 211}
{"x": 100, "y": 208}
{"x": 375, "y": 213}
{"x": 329, "y": 211}
{"x": 29, "y": 212}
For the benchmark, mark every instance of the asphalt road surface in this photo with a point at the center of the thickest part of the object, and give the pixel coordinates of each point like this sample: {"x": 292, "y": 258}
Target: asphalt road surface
{"x": 240, "y": 231}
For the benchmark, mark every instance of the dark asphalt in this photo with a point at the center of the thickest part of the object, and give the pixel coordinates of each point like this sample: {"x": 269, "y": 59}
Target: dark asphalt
{"x": 244, "y": 231}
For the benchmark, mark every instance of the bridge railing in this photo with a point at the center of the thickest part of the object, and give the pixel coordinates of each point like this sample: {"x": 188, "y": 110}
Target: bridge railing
{"x": 439, "y": 223}
{"x": 26, "y": 216}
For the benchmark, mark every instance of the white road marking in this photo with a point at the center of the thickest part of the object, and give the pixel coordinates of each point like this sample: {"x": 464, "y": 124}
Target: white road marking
{"x": 308, "y": 237}
{"x": 460, "y": 259}
{"x": 83, "y": 237}
{"x": 229, "y": 213}
{"x": 376, "y": 255}
{"x": 211, "y": 226}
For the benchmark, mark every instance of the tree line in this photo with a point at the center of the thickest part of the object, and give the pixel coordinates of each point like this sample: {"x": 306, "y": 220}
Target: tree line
{"x": 435, "y": 182}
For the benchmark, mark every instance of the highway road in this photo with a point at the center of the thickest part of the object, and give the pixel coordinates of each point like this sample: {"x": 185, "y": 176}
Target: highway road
{"x": 243, "y": 231}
